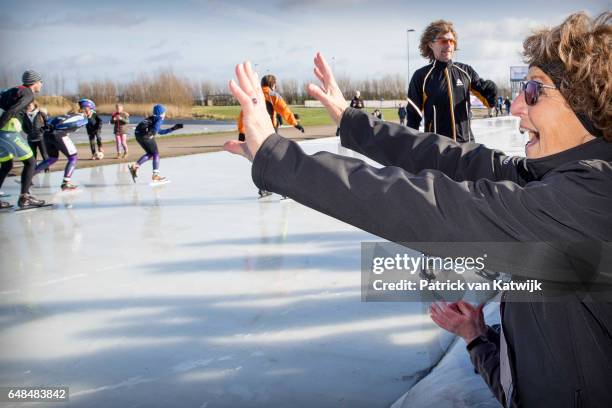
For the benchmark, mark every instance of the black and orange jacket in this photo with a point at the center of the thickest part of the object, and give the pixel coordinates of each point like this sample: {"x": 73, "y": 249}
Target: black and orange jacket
{"x": 439, "y": 93}
{"x": 274, "y": 104}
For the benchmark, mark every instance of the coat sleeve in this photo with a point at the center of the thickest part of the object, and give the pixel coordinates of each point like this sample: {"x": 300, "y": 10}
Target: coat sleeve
{"x": 98, "y": 125}
{"x": 483, "y": 89}
{"x": 240, "y": 124}
{"x": 402, "y": 206}
{"x": 414, "y": 113}
{"x": 484, "y": 355}
{"x": 280, "y": 106}
{"x": 391, "y": 144}
{"x": 22, "y": 103}
{"x": 430, "y": 207}
{"x": 157, "y": 130}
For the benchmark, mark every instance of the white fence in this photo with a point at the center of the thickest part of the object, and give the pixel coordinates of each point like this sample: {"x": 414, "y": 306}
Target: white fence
{"x": 474, "y": 101}
{"x": 367, "y": 104}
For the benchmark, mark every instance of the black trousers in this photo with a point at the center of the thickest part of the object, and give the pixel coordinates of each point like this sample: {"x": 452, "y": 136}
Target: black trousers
{"x": 36, "y": 145}
{"x": 148, "y": 144}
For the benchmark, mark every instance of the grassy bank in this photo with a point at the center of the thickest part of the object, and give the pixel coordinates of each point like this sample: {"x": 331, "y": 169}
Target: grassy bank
{"x": 308, "y": 116}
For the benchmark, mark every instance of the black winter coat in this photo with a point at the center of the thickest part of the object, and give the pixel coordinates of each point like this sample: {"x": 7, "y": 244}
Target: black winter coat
{"x": 437, "y": 190}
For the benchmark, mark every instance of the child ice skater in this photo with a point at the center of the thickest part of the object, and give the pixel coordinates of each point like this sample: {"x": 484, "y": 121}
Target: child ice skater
{"x": 145, "y": 136}
{"x": 121, "y": 120}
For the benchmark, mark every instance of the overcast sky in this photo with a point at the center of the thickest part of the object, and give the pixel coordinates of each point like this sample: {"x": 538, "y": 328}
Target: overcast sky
{"x": 204, "y": 39}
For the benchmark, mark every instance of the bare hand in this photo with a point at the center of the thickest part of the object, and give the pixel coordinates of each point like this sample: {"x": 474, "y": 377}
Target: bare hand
{"x": 255, "y": 117}
{"x": 237, "y": 147}
{"x": 460, "y": 318}
{"x": 329, "y": 93}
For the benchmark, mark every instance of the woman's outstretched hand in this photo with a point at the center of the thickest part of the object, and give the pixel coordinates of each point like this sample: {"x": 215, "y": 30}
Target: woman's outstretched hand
{"x": 460, "y": 318}
{"x": 256, "y": 119}
{"x": 328, "y": 93}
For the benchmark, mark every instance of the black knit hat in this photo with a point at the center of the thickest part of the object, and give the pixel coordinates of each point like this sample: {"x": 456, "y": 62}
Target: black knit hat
{"x": 30, "y": 77}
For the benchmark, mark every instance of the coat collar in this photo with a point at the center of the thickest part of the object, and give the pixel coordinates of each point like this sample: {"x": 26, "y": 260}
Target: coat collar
{"x": 597, "y": 149}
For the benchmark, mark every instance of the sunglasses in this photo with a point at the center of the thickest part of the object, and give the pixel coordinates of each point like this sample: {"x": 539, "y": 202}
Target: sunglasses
{"x": 445, "y": 41}
{"x": 532, "y": 90}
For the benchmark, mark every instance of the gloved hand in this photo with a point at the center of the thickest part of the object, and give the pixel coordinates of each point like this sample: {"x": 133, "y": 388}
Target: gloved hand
{"x": 241, "y": 137}
{"x": 296, "y": 116}
{"x": 177, "y": 126}
{"x": 489, "y": 91}
{"x": 299, "y": 127}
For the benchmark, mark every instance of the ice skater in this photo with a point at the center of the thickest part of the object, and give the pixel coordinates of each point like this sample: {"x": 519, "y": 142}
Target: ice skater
{"x": 94, "y": 128}
{"x": 276, "y": 106}
{"x": 145, "y": 136}
{"x": 34, "y": 123}
{"x": 120, "y": 119}
{"x": 57, "y": 140}
{"x": 14, "y": 102}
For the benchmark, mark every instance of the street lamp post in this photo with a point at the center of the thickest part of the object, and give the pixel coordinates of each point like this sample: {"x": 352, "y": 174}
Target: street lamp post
{"x": 408, "y": 31}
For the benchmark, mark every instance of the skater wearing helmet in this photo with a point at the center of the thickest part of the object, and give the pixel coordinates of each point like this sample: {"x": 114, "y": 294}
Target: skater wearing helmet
{"x": 94, "y": 128}
{"x": 145, "y": 136}
{"x": 57, "y": 139}
{"x": 14, "y": 102}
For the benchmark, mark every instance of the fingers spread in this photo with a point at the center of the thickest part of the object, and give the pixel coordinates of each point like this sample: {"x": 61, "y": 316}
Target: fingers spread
{"x": 319, "y": 94}
{"x": 319, "y": 75}
{"x": 254, "y": 79}
{"x": 320, "y": 63}
{"x": 244, "y": 80}
{"x": 243, "y": 98}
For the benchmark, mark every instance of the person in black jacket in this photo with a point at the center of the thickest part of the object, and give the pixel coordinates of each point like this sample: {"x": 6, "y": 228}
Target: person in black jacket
{"x": 433, "y": 189}
{"x": 401, "y": 112}
{"x": 14, "y": 102}
{"x": 94, "y": 128}
{"x": 34, "y": 124}
{"x": 357, "y": 102}
{"x": 439, "y": 93}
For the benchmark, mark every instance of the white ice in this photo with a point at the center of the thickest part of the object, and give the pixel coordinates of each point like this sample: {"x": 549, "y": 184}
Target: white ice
{"x": 196, "y": 294}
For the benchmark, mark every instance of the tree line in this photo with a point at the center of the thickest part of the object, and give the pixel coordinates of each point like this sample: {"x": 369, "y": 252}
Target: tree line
{"x": 170, "y": 88}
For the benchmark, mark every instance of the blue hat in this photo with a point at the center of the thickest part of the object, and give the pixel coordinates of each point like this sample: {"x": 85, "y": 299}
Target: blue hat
{"x": 158, "y": 110}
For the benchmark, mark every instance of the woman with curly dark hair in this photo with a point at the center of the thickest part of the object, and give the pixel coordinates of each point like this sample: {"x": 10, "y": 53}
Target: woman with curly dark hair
{"x": 433, "y": 189}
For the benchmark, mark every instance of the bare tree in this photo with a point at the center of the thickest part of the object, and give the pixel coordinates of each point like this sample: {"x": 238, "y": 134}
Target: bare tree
{"x": 345, "y": 84}
{"x": 290, "y": 90}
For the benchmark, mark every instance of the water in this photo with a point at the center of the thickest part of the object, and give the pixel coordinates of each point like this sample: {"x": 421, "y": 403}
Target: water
{"x": 134, "y": 120}
{"x": 190, "y": 126}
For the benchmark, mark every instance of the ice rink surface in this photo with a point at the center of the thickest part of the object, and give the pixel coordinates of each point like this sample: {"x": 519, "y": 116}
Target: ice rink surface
{"x": 197, "y": 294}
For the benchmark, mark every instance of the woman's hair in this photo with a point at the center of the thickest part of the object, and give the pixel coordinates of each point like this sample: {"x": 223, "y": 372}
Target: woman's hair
{"x": 577, "y": 56}
{"x": 432, "y": 31}
{"x": 268, "y": 80}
